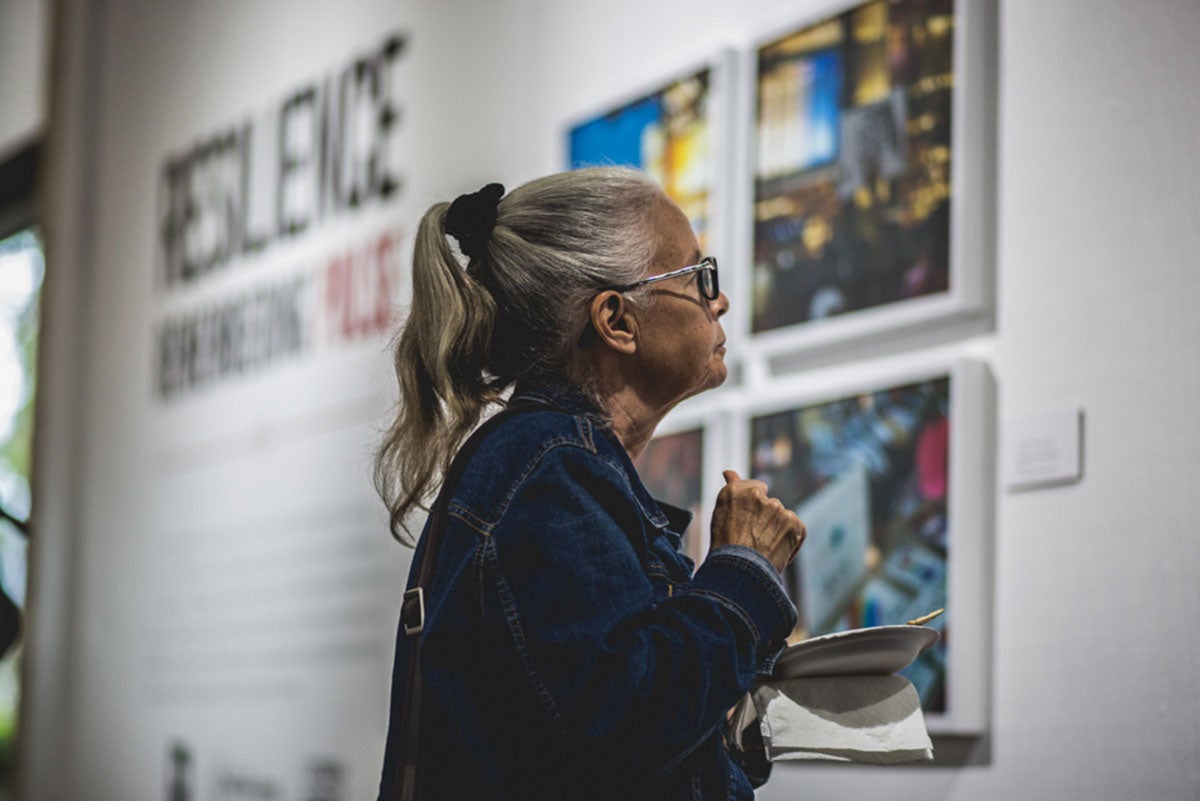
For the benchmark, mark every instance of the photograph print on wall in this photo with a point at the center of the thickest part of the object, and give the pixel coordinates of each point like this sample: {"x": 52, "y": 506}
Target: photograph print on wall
{"x": 869, "y": 474}
{"x": 667, "y": 133}
{"x": 852, "y": 163}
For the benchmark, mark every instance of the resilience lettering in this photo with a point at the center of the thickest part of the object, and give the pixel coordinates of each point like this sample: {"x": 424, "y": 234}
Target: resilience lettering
{"x": 327, "y": 149}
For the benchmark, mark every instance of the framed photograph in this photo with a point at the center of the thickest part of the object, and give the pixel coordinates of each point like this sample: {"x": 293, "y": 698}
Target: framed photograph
{"x": 672, "y": 468}
{"x": 682, "y": 465}
{"x": 871, "y": 161}
{"x": 894, "y": 482}
{"x": 679, "y": 130}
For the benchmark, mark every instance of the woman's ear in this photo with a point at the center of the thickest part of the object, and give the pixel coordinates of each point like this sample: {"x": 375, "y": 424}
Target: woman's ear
{"x": 614, "y": 321}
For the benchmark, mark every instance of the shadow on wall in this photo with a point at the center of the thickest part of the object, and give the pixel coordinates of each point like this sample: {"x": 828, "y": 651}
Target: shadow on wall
{"x": 959, "y": 752}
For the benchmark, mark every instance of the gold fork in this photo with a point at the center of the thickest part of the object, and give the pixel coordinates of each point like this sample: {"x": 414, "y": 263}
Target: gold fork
{"x": 923, "y": 619}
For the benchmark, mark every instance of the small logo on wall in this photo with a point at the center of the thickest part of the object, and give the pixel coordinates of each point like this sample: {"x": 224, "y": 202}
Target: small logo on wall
{"x": 237, "y": 785}
{"x": 326, "y": 780}
{"x": 180, "y": 785}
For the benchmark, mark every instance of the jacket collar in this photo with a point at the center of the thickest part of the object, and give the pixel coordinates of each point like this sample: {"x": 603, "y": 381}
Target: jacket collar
{"x": 672, "y": 520}
{"x": 557, "y": 394}
{"x": 678, "y": 521}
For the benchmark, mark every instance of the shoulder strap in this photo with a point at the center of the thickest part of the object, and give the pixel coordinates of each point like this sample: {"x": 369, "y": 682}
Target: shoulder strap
{"x": 412, "y": 610}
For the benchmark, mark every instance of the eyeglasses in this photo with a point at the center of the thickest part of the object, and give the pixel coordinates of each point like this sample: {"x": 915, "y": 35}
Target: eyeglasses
{"x": 710, "y": 287}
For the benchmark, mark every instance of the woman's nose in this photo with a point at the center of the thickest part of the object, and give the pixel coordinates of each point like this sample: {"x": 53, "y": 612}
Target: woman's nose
{"x": 720, "y": 305}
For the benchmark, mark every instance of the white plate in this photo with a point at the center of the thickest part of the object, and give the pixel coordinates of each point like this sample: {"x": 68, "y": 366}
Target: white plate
{"x": 878, "y": 650}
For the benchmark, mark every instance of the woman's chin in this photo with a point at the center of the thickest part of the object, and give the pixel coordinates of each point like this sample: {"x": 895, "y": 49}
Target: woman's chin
{"x": 715, "y": 378}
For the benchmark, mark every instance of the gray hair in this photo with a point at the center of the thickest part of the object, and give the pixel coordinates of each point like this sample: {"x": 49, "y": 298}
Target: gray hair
{"x": 519, "y": 310}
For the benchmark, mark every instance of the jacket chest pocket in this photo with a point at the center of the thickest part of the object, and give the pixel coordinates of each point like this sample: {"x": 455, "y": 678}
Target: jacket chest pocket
{"x": 666, "y": 569}
{"x": 662, "y": 580}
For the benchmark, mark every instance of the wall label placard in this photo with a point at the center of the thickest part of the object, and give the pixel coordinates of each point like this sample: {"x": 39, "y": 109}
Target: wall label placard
{"x": 1043, "y": 450}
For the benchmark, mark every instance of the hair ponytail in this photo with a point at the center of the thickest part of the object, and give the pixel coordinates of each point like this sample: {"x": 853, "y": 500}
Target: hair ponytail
{"x": 440, "y": 361}
{"x": 537, "y": 258}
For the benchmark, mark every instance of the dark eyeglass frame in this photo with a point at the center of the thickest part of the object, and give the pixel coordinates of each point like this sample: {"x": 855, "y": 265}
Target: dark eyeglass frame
{"x": 710, "y": 289}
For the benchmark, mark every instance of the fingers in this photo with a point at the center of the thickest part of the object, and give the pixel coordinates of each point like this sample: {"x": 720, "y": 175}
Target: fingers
{"x": 735, "y": 481}
{"x": 738, "y": 487}
{"x": 746, "y": 514}
{"x": 801, "y": 532}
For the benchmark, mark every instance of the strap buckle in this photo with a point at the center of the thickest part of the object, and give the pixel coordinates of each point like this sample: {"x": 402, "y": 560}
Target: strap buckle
{"x": 412, "y": 611}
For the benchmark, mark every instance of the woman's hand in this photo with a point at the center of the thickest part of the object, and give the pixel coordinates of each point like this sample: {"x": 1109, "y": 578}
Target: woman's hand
{"x": 746, "y": 515}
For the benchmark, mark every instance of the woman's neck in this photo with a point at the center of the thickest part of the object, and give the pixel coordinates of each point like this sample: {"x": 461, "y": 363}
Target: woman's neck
{"x": 633, "y": 419}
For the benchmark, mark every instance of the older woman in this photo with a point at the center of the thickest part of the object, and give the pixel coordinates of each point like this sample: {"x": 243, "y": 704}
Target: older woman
{"x": 558, "y": 645}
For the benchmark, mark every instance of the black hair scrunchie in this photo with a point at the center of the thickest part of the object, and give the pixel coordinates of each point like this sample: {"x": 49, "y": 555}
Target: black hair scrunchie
{"x": 472, "y": 218}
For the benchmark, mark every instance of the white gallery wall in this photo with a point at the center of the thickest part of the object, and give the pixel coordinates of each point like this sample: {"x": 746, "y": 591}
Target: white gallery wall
{"x": 214, "y": 593}
{"x": 217, "y": 589}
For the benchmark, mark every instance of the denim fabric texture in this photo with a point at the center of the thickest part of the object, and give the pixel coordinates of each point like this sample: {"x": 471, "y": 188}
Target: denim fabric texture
{"x": 570, "y": 651}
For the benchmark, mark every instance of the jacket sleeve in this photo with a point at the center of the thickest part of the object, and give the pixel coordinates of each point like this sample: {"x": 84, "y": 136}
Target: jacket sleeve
{"x": 621, "y": 673}
{"x": 752, "y": 757}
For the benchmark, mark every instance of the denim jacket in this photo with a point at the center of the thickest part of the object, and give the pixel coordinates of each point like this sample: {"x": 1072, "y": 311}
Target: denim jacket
{"x": 569, "y": 650}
